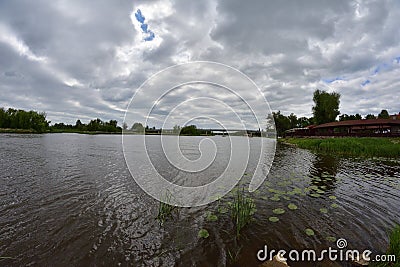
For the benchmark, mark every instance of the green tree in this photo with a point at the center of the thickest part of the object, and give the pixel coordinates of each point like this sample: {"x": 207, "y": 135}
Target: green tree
{"x": 177, "y": 129}
{"x": 326, "y": 107}
{"x": 282, "y": 123}
{"x": 189, "y": 130}
{"x": 370, "y": 117}
{"x": 138, "y": 127}
{"x": 293, "y": 120}
{"x": 384, "y": 114}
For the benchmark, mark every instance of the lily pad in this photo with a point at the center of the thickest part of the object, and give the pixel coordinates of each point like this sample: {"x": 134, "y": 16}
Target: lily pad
{"x": 273, "y": 219}
{"x": 334, "y": 205}
{"x": 297, "y": 190}
{"x": 203, "y": 233}
{"x": 275, "y": 198}
{"x": 292, "y": 206}
{"x": 319, "y": 191}
{"x": 323, "y": 210}
{"x": 315, "y": 195}
{"x": 222, "y": 210}
{"x": 309, "y": 232}
{"x": 278, "y": 211}
{"x": 212, "y": 217}
{"x": 331, "y": 238}
{"x": 332, "y": 197}
{"x": 286, "y": 197}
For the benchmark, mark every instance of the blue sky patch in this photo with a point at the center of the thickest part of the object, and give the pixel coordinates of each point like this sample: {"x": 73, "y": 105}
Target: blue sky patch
{"x": 331, "y": 80}
{"x": 364, "y": 83}
{"x": 149, "y": 35}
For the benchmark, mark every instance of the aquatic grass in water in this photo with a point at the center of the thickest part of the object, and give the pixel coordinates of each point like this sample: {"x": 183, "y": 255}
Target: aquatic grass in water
{"x": 353, "y": 146}
{"x": 165, "y": 210}
{"x": 393, "y": 248}
{"x": 242, "y": 210}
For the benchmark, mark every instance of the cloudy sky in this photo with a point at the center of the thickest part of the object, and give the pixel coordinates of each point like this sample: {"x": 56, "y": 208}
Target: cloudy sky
{"x": 85, "y": 59}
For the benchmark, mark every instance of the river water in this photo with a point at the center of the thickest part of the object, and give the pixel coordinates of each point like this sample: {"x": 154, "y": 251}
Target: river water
{"x": 70, "y": 200}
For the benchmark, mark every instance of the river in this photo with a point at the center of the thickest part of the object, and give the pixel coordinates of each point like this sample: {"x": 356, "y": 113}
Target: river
{"x": 70, "y": 200}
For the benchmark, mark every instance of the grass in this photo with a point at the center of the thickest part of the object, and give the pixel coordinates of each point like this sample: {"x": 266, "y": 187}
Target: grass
{"x": 242, "y": 210}
{"x": 352, "y": 146}
{"x": 165, "y": 210}
{"x": 393, "y": 249}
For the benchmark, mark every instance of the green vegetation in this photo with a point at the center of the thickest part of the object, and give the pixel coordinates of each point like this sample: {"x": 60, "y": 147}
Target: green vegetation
{"x": 165, "y": 210}
{"x": 242, "y": 210}
{"x": 352, "y": 146}
{"x": 192, "y": 130}
{"x": 21, "y": 121}
{"x": 326, "y": 107}
{"x": 203, "y": 233}
{"x": 309, "y": 232}
{"x": 94, "y": 126}
{"x": 31, "y": 121}
{"x": 393, "y": 249}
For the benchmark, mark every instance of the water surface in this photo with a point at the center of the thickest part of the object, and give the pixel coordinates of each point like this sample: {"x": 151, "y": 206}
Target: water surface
{"x": 69, "y": 200}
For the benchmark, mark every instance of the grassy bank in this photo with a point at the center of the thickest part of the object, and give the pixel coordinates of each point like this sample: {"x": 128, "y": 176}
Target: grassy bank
{"x": 352, "y": 146}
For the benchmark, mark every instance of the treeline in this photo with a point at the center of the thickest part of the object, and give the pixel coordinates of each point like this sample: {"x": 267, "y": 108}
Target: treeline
{"x": 34, "y": 121}
{"x": 21, "y": 119}
{"x": 283, "y": 123}
{"x": 186, "y": 130}
{"x": 96, "y": 125}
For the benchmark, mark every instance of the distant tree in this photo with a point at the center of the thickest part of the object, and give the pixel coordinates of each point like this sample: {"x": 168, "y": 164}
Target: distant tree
{"x": 282, "y": 123}
{"x": 326, "y": 107}
{"x": 176, "y": 129}
{"x": 370, "y": 117}
{"x": 384, "y": 114}
{"x": 345, "y": 117}
{"x": 124, "y": 126}
{"x": 189, "y": 130}
{"x": 138, "y": 127}
{"x": 304, "y": 122}
{"x": 293, "y": 120}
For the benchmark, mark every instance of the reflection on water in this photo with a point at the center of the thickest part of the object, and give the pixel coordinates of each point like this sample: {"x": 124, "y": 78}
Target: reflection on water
{"x": 69, "y": 199}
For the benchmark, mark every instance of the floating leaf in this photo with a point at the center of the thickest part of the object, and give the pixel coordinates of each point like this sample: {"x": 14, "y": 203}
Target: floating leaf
{"x": 286, "y": 197}
{"x": 275, "y": 198}
{"x": 319, "y": 191}
{"x": 292, "y": 206}
{"x": 332, "y": 197}
{"x": 309, "y": 232}
{"x": 203, "y": 233}
{"x": 323, "y": 210}
{"x": 331, "y": 238}
{"x": 315, "y": 195}
{"x": 278, "y": 211}
{"x": 297, "y": 190}
{"x": 222, "y": 210}
{"x": 273, "y": 219}
{"x": 212, "y": 217}
{"x": 334, "y": 205}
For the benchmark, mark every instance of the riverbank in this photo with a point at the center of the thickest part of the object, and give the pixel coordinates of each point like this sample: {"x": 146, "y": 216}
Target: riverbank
{"x": 350, "y": 146}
